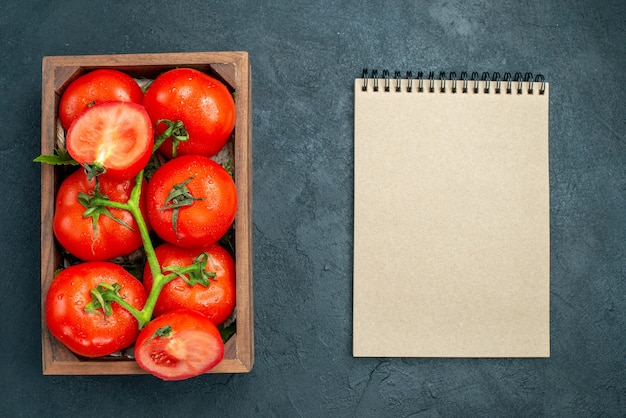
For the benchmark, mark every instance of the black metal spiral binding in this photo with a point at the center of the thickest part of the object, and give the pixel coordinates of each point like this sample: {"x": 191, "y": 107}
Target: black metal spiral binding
{"x": 464, "y": 78}
{"x": 397, "y": 76}
{"x": 442, "y": 79}
{"x": 476, "y": 81}
{"x": 518, "y": 79}
{"x": 409, "y": 81}
{"x": 485, "y": 79}
{"x": 541, "y": 79}
{"x": 509, "y": 82}
{"x": 494, "y": 81}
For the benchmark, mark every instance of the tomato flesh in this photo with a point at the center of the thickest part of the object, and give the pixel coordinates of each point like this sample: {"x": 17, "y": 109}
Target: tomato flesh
{"x": 116, "y": 135}
{"x": 192, "y": 346}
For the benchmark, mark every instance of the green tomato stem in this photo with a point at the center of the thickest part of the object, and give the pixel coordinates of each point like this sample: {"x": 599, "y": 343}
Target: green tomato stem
{"x": 159, "y": 280}
{"x": 175, "y": 130}
{"x": 130, "y": 308}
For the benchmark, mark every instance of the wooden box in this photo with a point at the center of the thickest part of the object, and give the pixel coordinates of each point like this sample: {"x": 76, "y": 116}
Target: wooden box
{"x": 233, "y": 68}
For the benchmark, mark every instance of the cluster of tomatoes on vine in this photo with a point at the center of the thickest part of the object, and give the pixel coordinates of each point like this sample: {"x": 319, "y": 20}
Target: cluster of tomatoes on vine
{"x": 174, "y": 212}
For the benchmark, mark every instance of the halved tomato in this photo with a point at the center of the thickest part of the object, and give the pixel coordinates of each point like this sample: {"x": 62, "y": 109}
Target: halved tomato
{"x": 178, "y": 345}
{"x": 114, "y": 136}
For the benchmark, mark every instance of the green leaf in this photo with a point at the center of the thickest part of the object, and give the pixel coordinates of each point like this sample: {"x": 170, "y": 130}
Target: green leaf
{"x": 228, "y": 241}
{"x": 59, "y": 158}
{"x": 227, "y": 331}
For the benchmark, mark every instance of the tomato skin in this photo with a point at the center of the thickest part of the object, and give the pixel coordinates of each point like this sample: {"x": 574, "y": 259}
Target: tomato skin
{"x": 92, "y": 334}
{"x": 193, "y": 347}
{"x": 76, "y": 233}
{"x": 204, "y": 105}
{"x": 216, "y": 301}
{"x": 116, "y": 135}
{"x": 205, "y": 221}
{"x": 96, "y": 86}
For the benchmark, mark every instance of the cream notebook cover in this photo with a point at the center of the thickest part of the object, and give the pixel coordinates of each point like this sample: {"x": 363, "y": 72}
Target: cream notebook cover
{"x": 451, "y": 217}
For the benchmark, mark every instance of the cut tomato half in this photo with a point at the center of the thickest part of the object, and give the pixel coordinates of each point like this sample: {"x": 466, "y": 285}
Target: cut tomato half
{"x": 115, "y": 136}
{"x": 178, "y": 345}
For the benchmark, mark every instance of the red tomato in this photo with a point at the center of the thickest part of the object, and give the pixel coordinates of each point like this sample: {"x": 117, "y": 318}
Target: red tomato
{"x": 76, "y": 233}
{"x": 216, "y": 301}
{"x": 115, "y": 135}
{"x": 94, "y": 87}
{"x": 204, "y": 105}
{"x": 92, "y": 334}
{"x": 179, "y": 345}
{"x": 191, "y": 201}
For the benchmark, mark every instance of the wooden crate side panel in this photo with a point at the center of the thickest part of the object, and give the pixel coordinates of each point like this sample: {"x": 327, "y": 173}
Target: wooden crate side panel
{"x": 243, "y": 166}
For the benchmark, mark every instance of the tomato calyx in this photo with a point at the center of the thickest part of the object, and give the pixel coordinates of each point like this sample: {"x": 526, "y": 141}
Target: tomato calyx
{"x": 179, "y": 196}
{"x": 102, "y": 296}
{"x": 93, "y": 170}
{"x": 175, "y": 130}
{"x": 196, "y": 273}
{"x": 163, "y": 332}
{"x": 97, "y": 204}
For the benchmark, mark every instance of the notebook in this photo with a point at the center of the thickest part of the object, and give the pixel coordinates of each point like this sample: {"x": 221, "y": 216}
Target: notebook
{"x": 451, "y": 215}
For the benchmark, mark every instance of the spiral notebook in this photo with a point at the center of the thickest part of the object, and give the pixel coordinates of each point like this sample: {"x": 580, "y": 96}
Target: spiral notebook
{"x": 451, "y": 216}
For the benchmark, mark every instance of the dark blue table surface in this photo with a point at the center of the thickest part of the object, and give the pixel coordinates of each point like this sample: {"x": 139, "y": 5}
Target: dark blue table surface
{"x": 304, "y": 58}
